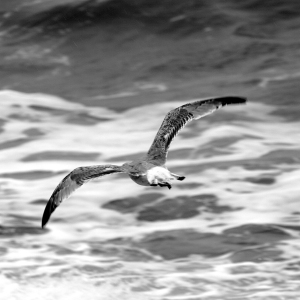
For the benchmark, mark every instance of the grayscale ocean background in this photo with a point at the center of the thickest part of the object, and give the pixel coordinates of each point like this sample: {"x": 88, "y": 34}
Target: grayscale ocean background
{"x": 89, "y": 82}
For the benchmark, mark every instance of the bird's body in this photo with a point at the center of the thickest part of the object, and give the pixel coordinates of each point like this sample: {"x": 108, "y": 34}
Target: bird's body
{"x": 151, "y": 169}
{"x": 148, "y": 174}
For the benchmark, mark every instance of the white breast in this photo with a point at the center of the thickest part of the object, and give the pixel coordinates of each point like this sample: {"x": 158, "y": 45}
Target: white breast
{"x": 158, "y": 174}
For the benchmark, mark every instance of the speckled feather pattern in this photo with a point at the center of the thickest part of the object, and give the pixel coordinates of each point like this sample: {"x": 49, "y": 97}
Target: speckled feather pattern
{"x": 73, "y": 181}
{"x": 177, "y": 118}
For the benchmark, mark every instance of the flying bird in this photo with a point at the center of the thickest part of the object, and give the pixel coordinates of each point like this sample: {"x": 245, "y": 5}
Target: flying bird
{"x": 151, "y": 169}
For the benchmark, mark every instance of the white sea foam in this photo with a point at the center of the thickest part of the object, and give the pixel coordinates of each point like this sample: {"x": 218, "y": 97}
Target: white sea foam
{"x": 58, "y": 288}
{"x": 80, "y": 222}
{"x": 144, "y": 86}
{"x": 283, "y": 76}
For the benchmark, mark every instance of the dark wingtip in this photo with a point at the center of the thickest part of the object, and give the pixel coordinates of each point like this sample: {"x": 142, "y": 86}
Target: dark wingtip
{"x": 232, "y": 100}
{"x": 49, "y": 209}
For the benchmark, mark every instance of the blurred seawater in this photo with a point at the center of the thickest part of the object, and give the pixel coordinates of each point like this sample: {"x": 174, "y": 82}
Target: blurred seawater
{"x": 90, "y": 83}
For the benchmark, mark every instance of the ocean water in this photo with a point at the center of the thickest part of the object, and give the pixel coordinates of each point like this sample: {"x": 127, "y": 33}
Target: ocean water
{"x": 230, "y": 230}
{"x": 89, "y": 82}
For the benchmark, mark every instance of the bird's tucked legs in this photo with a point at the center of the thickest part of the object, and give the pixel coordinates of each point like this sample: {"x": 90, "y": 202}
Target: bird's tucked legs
{"x": 161, "y": 184}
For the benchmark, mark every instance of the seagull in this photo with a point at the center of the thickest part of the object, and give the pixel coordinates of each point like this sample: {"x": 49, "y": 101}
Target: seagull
{"x": 150, "y": 170}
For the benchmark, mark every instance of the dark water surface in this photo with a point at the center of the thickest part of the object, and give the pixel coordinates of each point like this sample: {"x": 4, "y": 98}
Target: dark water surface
{"x": 89, "y": 82}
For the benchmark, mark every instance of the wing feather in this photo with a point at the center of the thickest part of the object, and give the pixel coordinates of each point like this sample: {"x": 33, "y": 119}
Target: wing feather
{"x": 177, "y": 118}
{"x": 73, "y": 181}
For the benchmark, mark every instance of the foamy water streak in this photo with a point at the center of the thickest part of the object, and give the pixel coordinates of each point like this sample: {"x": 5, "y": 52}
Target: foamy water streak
{"x": 229, "y": 231}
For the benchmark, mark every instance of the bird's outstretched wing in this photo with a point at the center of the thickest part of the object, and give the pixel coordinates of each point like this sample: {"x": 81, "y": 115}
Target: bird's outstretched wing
{"x": 73, "y": 181}
{"x": 178, "y": 118}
